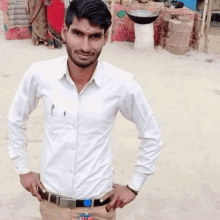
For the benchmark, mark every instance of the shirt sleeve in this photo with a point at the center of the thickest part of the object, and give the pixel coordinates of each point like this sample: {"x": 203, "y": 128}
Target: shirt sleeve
{"x": 24, "y": 102}
{"x": 135, "y": 108}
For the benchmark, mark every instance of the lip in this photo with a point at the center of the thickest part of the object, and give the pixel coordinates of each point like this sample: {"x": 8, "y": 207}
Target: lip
{"x": 84, "y": 55}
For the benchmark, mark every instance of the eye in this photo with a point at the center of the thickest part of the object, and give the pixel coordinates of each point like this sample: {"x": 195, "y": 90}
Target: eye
{"x": 97, "y": 36}
{"x": 77, "y": 33}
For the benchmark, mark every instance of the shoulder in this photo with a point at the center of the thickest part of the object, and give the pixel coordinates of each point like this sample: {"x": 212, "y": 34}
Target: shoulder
{"x": 48, "y": 68}
{"x": 52, "y": 63}
{"x": 116, "y": 74}
{"x": 125, "y": 81}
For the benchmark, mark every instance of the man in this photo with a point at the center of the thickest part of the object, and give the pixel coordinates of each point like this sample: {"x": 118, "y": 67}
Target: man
{"x": 82, "y": 97}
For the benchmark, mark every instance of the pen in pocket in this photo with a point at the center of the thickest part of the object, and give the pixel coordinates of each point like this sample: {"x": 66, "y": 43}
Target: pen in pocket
{"x": 52, "y": 110}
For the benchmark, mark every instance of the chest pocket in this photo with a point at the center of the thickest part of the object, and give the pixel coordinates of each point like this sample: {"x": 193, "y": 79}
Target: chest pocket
{"x": 59, "y": 121}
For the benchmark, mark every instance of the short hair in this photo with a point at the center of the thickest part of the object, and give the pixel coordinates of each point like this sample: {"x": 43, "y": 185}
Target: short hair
{"x": 96, "y": 11}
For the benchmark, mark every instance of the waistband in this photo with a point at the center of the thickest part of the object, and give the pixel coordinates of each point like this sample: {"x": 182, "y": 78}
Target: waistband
{"x": 71, "y": 203}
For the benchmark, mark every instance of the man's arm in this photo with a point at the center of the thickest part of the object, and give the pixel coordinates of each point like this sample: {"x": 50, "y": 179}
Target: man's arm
{"x": 24, "y": 102}
{"x": 135, "y": 108}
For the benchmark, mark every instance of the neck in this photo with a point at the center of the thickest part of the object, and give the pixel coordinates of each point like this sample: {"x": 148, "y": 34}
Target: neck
{"x": 80, "y": 75}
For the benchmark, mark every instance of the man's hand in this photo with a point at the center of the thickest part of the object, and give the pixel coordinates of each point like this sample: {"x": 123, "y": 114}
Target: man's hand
{"x": 31, "y": 182}
{"x": 120, "y": 196}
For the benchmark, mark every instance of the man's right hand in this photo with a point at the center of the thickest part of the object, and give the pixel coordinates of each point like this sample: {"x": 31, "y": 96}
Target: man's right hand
{"x": 31, "y": 182}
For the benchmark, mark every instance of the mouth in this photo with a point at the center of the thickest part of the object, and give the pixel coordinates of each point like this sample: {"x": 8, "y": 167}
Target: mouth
{"x": 84, "y": 54}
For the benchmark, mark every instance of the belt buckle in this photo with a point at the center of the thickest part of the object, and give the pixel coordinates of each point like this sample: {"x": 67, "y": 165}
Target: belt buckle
{"x": 69, "y": 203}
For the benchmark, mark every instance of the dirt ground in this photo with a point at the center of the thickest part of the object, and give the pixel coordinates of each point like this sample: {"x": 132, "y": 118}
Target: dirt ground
{"x": 183, "y": 91}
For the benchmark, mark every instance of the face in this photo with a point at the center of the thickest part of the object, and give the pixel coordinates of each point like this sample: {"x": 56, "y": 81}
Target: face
{"x": 84, "y": 42}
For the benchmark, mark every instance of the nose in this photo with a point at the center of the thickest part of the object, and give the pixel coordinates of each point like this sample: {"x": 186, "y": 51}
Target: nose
{"x": 85, "y": 46}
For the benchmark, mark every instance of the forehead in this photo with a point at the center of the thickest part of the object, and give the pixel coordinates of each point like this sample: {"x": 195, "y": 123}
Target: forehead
{"x": 85, "y": 26}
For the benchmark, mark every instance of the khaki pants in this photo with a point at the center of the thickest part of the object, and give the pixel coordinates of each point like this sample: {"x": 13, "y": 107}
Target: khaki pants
{"x": 50, "y": 211}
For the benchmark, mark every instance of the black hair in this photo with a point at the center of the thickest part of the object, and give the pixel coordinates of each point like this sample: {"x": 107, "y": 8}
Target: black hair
{"x": 96, "y": 11}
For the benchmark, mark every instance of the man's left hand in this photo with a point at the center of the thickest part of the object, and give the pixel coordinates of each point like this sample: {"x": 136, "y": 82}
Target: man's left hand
{"x": 120, "y": 196}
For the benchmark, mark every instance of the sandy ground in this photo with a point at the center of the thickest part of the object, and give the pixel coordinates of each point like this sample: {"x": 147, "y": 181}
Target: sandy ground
{"x": 183, "y": 91}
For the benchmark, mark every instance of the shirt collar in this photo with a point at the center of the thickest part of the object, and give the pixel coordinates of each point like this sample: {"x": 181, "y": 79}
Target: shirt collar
{"x": 97, "y": 74}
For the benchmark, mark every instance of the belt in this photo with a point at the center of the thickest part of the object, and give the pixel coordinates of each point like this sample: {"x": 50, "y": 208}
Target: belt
{"x": 71, "y": 203}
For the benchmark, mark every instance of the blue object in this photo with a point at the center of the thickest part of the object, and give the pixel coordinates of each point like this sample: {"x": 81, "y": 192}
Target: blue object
{"x": 5, "y": 27}
{"x": 191, "y": 4}
{"x": 84, "y": 215}
{"x": 121, "y": 14}
{"x": 87, "y": 202}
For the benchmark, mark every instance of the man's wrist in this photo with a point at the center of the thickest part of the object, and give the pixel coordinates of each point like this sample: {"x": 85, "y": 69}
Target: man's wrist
{"x": 132, "y": 190}
{"x": 24, "y": 172}
{"x": 21, "y": 174}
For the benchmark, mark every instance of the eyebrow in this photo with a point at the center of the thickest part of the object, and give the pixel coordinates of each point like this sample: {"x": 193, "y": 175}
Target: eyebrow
{"x": 79, "y": 31}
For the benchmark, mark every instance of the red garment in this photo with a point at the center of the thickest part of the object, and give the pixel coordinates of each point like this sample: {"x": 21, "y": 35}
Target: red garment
{"x": 55, "y": 15}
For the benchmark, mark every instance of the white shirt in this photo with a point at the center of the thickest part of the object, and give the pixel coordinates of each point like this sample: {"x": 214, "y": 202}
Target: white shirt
{"x": 77, "y": 156}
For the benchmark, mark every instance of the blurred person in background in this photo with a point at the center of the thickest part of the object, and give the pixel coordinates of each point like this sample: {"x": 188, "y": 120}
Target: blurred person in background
{"x": 47, "y": 19}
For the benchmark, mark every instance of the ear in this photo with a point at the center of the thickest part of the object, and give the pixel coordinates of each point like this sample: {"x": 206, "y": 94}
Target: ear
{"x": 106, "y": 36}
{"x": 64, "y": 33}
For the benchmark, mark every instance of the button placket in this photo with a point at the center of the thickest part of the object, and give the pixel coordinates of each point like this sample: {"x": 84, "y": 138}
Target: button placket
{"x": 76, "y": 136}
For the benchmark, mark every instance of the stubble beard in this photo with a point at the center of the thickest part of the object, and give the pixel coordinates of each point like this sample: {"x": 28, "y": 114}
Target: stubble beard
{"x": 78, "y": 63}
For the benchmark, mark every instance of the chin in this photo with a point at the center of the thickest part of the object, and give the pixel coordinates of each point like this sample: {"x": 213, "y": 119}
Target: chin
{"x": 83, "y": 64}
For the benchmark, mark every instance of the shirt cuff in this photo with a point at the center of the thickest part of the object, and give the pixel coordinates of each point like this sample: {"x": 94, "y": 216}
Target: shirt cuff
{"x": 138, "y": 181}
{"x": 21, "y": 165}
{"x": 23, "y": 172}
